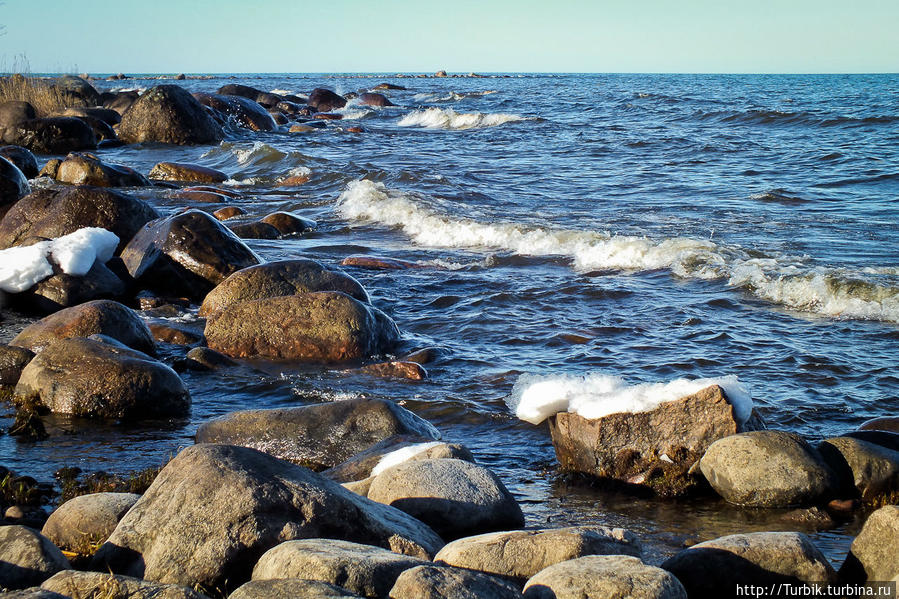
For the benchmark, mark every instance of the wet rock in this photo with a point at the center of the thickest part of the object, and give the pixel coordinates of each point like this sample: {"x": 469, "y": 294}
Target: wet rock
{"x": 607, "y": 576}
{"x": 182, "y": 171}
{"x": 654, "y": 449}
{"x": 103, "y": 132}
{"x": 327, "y": 116}
{"x": 377, "y": 263}
{"x": 94, "y": 379}
{"x": 206, "y": 197}
{"x": 268, "y": 100}
{"x": 219, "y": 190}
{"x": 521, "y": 554}
{"x": 440, "y": 74}
{"x": 180, "y": 77}
{"x": 364, "y": 463}
{"x": 168, "y": 114}
{"x": 863, "y": 469}
{"x": 243, "y": 91}
{"x": 454, "y": 497}
{"x": 76, "y": 91}
{"x": 166, "y": 333}
{"x": 290, "y": 588}
{"x": 13, "y": 112}
{"x": 185, "y": 254}
{"x": 13, "y": 185}
{"x": 396, "y": 370}
{"x": 58, "y": 211}
{"x": 12, "y": 361}
{"x": 58, "y": 135}
{"x": 287, "y": 107}
{"x": 99, "y": 317}
{"x": 27, "y": 558}
{"x": 362, "y": 569}
{"x": 99, "y": 585}
{"x": 63, "y": 290}
{"x": 320, "y": 435}
{"x": 254, "y": 230}
{"x": 422, "y": 356}
{"x": 87, "y": 169}
{"x": 203, "y": 358}
{"x": 302, "y": 128}
{"x": 324, "y": 100}
{"x": 121, "y": 101}
{"x": 885, "y": 423}
{"x": 886, "y": 439}
{"x": 370, "y": 99}
{"x": 389, "y": 86}
{"x": 246, "y": 112}
{"x": 767, "y": 469}
{"x": 87, "y": 520}
{"x": 228, "y": 212}
{"x": 293, "y": 181}
{"x": 440, "y": 582}
{"x": 215, "y": 509}
{"x": 715, "y": 568}
{"x": 32, "y": 593}
{"x": 320, "y": 327}
{"x": 873, "y": 554}
{"x": 281, "y": 278}
{"x": 288, "y": 224}
{"x": 49, "y": 169}
{"x": 107, "y": 115}
{"x": 22, "y": 158}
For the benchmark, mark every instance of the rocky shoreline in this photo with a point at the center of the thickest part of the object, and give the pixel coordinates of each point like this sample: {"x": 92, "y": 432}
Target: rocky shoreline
{"x": 352, "y": 498}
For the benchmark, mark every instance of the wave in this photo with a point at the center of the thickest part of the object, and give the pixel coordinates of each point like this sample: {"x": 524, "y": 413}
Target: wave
{"x": 780, "y": 117}
{"x": 450, "y": 96}
{"x": 831, "y": 292}
{"x": 437, "y": 118}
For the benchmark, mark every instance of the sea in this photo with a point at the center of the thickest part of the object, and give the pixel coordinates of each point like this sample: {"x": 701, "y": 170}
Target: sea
{"x": 645, "y": 227}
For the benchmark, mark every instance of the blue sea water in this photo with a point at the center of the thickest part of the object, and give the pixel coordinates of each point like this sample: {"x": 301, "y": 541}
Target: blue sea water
{"x": 652, "y": 227}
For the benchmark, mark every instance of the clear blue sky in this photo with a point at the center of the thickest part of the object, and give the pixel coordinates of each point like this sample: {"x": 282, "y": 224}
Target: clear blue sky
{"x": 756, "y": 36}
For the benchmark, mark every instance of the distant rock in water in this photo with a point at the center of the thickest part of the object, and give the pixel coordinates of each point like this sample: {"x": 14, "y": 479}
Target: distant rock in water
{"x": 324, "y": 100}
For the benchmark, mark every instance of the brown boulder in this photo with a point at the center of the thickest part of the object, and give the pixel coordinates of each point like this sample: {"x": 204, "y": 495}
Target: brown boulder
{"x": 254, "y": 230}
{"x": 182, "y": 171}
{"x": 227, "y": 212}
{"x": 378, "y": 263}
{"x": 121, "y": 101}
{"x": 370, "y": 99}
{"x": 12, "y": 361}
{"x": 57, "y": 135}
{"x": 396, "y": 370}
{"x": 168, "y": 114}
{"x": 64, "y": 291}
{"x": 87, "y": 169}
{"x": 22, "y": 158}
{"x": 287, "y": 223}
{"x": 245, "y": 111}
{"x": 107, "y": 115}
{"x": 884, "y": 423}
{"x": 13, "y": 112}
{"x": 324, "y": 100}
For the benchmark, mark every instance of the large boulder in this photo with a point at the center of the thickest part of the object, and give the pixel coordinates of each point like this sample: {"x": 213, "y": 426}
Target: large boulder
{"x": 521, "y": 554}
{"x": 12, "y": 361}
{"x": 290, "y": 588}
{"x": 716, "y": 568}
{"x": 99, "y": 317}
{"x": 439, "y": 582}
{"x": 22, "y": 158}
{"x": 13, "y": 185}
{"x": 58, "y": 211}
{"x": 185, "y": 254}
{"x": 27, "y": 558}
{"x": 13, "y": 112}
{"x": 86, "y": 521}
{"x": 101, "y": 379}
{"x": 56, "y": 135}
{"x": 606, "y": 576}
{"x": 392, "y": 451}
{"x": 324, "y": 100}
{"x": 320, "y": 435}
{"x": 884, "y": 423}
{"x": 454, "y": 497}
{"x": 654, "y": 449}
{"x": 107, "y": 115}
{"x": 323, "y": 326}
{"x": 100, "y": 585}
{"x": 214, "y": 510}
{"x": 64, "y": 290}
{"x": 276, "y": 279}
{"x": 87, "y": 169}
{"x": 373, "y": 99}
{"x": 76, "y": 90}
{"x": 873, "y": 555}
{"x": 184, "y": 172}
{"x": 246, "y": 112}
{"x": 363, "y": 569}
{"x": 287, "y": 223}
{"x": 121, "y": 101}
{"x": 168, "y": 114}
{"x": 242, "y": 91}
{"x": 864, "y": 469}
{"x": 767, "y": 469}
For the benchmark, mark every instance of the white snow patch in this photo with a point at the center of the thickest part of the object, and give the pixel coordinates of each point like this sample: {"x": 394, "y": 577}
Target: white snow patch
{"x": 404, "y": 454}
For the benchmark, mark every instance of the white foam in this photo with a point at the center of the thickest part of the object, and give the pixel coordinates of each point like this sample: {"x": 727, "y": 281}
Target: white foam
{"x": 438, "y": 118}
{"x": 23, "y": 267}
{"x": 283, "y": 92}
{"x": 535, "y": 398}
{"x": 833, "y": 292}
{"x": 404, "y": 454}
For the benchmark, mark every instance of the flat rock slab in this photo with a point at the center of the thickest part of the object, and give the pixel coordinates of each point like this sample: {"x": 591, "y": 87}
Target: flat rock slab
{"x": 606, "y": 576}
{"x": 441, "y": 582}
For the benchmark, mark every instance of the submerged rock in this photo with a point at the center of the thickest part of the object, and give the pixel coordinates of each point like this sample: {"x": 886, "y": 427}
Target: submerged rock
{"x": 182, "y": 171}
{"x": 607, "y": 576}
{"x": 27, "y": 558}
{"x": 168, "y": 114}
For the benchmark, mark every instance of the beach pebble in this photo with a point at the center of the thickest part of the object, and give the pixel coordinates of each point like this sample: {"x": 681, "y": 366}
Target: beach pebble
{"x": 186, "y": 172}
{"x": 521, "y": 554}
{"x": 441, "y": 582}
{"x": 87, "y": 520}
{"x": 27, "y": 558}
{"x": 246, "y": 112}
{"x": 55, "y": 135}
{"x": 864, "y": 469}
{"x": 873, "y": 555}
{"x": 392, "y": 451}
{"x": 714, "y": 568}
{"x": 290, "y": 588}
{"x": 454, "y": 497}
{"x": 96, "y": 585}
{"x": 12, "y": 361}
{"x": 362, "y": 569}
{"x": 22, "y": 158}
{"x": 321, "y": 435}
{"x": 168, "y": 114}
{"x": 767, "y": 469}
{"x": 287, "y": 223}
{"x": 606, "y": 576}
{"x": 214, "y": 508}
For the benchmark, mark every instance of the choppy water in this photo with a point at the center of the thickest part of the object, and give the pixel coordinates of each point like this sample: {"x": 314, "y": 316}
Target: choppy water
{"x": 650, "y": 227}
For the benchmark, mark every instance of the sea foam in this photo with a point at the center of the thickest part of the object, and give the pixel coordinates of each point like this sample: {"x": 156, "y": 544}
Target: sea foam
{"x": 438, "y": 118}
{"x": 535, "y": 398}
{"x": 832, "y": 292}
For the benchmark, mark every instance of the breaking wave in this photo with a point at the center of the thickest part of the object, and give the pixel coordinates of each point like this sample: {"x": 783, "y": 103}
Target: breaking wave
{"x": 438, "y": 118}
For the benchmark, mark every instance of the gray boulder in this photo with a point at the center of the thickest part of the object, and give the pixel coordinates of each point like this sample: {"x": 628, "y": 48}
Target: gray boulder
{"x": 606, "y": 576}
{"x": 873, "y": 555}
{"x": 399, "y": 447}
{"x": 87, "y": 520}
{"x": 64, "y": 291}
{"x": 868, "y": 470}
{"x": 12, "y": 361}
{"x": 100, "y": 585}
{"x": 290, "y": 588}
{"x": 27, "y": 558}
{"x": 441, "y": 582}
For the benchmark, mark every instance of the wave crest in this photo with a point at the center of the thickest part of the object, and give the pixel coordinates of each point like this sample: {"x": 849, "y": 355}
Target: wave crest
{"x": 438, "y": 118}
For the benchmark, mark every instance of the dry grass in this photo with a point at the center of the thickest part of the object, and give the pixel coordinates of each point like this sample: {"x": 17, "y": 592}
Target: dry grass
{"x": 45, "y": 98}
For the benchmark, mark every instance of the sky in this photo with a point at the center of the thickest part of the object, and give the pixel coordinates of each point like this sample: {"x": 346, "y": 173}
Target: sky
{"x": 654, "y": 36}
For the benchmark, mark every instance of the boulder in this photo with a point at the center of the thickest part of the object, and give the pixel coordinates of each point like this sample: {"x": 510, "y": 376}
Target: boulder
{"x": 362, "y": 569}
{"x": 884, "y": 423}
{"x": 439, "y": 582}
{"x": 121, "y": 101}
{"x": 715, "y": 568}
{"x": 277, "y": 279}
{"x": 107, "y": 115}
{"x": 322, "y": 327}
{"x": 12, "y": 361}
{"x": 27, "y": 558}
{"x": 394, "y": 369}
{"x": 168, "y": 114}
{"x": 50, "y": 167}
{"x": 228, "y": 212}
{"x": 873, "y": 555}
{"x": 863, "y": 469}
{"x": 389, "y": 86}
{"x": 268, "y": 100}
{"x": 454, "y": 497}
{"x": 246, "y": 112}
{"x": 378, "y": 263}
{"x": 215, "y": 509}
{"x": 767, "y": 469}
{"x": 185, "y": 254}
{"x": 103, "y": 132}
{"x": 97, "y": 379}
{"x": 293, "y": 180}
{"x": 76, "y": 91}
{"x": 182, "y": 171}
{"x": 324, "y": 100}
{"x": 64, "y": 291}
{"x": 392, "y": 451}
{"x": 58, "y": 211}
{"x": 99, "y": 585}
{"x": 243, "y": 91}
{"x": 887, "y": 439}
{"x": 86, "y": 521}
{"x": 176, "y": 335}
{"x": 100, "y": 317}
{"x": 254, "y": 230}
{"x": 22, "y": 158}
{"x": 32, "y": 593}
{"x": 203, "y": 358}
{"x": 13, "y": 185}
{"x": 57, "y": 135}
{"x": 13, "y": 112}
{"x": 290, "y": 588}
{"x": 520, "y": 554}
{"x": 322, "y": 435}
{"x": 606, "y": 576}
{"x": 654, "y": 449}
{"x": 87, "y": 169}
{"x": 287, "y": 223}
{"x": 371, "y": 99}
